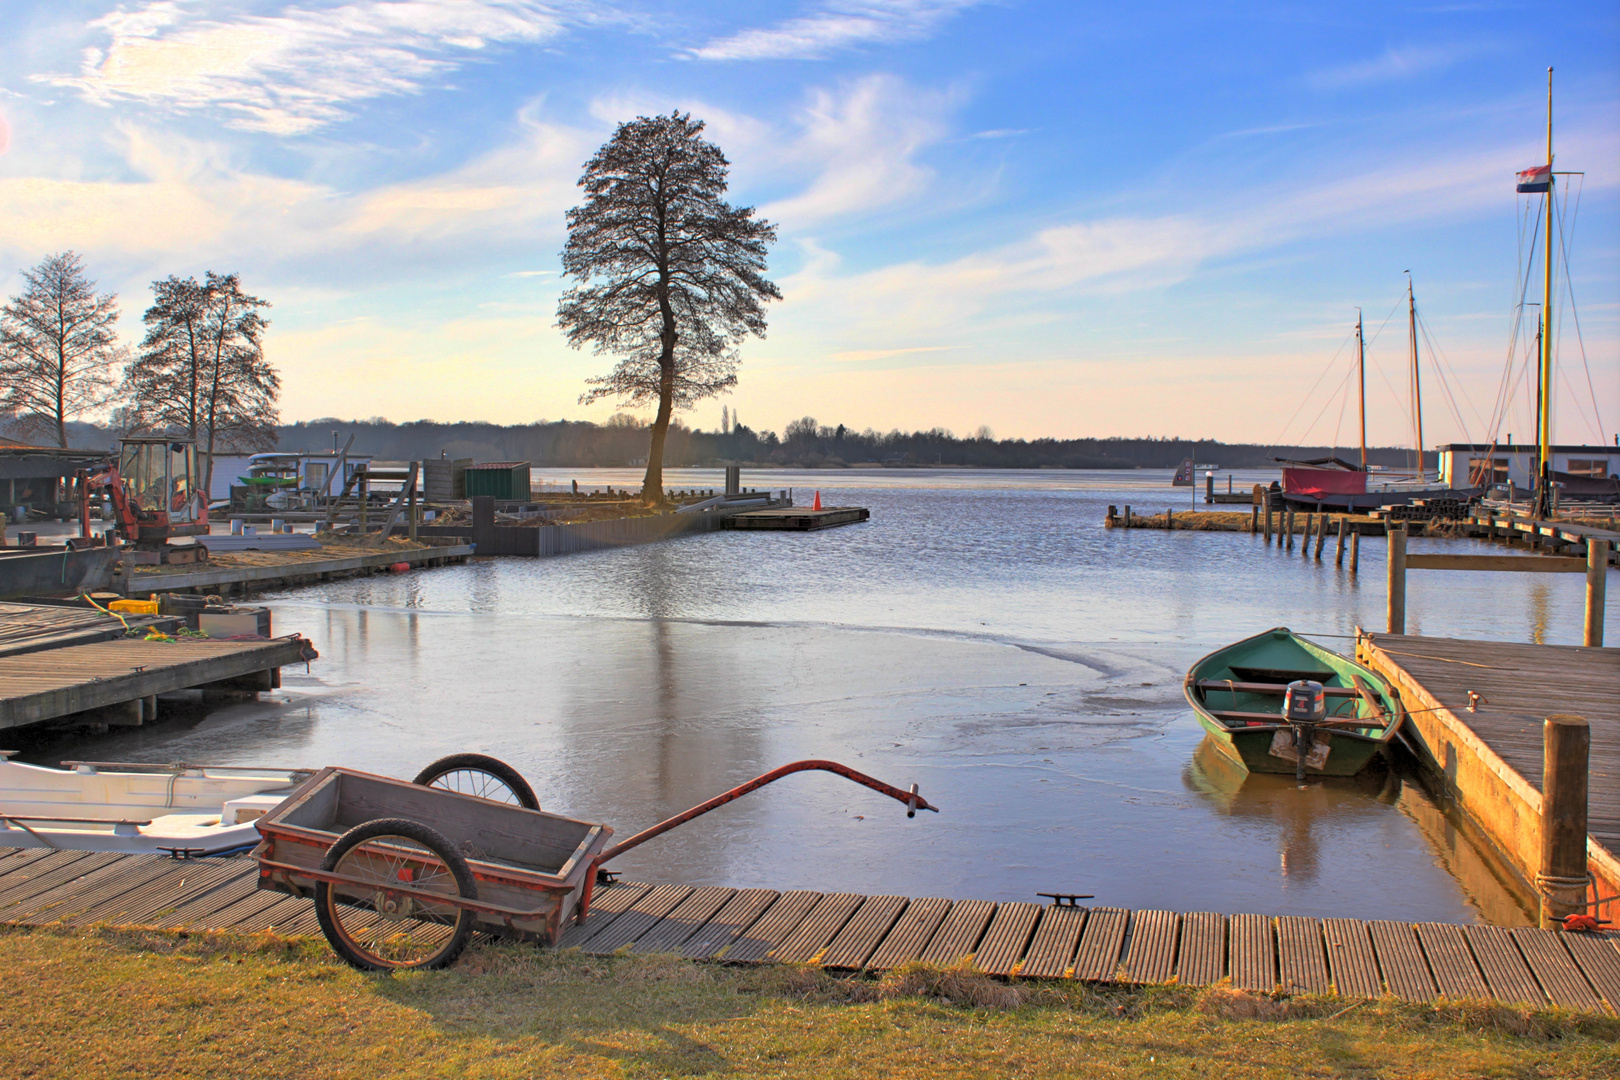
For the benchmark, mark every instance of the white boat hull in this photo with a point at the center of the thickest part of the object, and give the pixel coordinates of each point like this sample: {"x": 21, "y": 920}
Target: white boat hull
{"x": 137, "y": 809}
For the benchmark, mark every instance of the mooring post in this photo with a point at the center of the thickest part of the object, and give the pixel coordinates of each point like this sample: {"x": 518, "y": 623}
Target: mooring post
{"x": 1305, "y": 535}
{"x": 1169, "y": 519}
{"x": 1265, "y": 505}
{"x": 1597, "y": 574}
{"x": 1355, "y": 551}
{"x": 1113, "y": 514}
{"x": 1288, "y": 528}
{"x": 1209, "y": 487}
{"x": 1397, "y": 581}
{"x": 1254, "y": 519}
{"x": 1321, "y": 533}
{"x": 1127, "y": 515}
{"x": 410, "y": 530}
{"x": 1562, "y": 882}
{"x": 1344, "y": 527}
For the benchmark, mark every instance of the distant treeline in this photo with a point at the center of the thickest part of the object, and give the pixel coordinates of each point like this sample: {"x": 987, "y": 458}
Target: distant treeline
{"x": 804, "y": 444}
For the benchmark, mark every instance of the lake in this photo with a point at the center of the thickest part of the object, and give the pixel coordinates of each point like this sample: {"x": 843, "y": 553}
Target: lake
{"x": 983, "y": 636}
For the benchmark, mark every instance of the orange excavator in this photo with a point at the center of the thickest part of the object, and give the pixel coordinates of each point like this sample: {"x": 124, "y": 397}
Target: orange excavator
{"x": 156, "y": 489}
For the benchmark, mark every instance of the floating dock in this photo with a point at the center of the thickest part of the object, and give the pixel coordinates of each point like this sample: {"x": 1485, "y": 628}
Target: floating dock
{"x": 117, "y": 682}
{"x": 851, "y": 932}
{"x": 797, "y": 519}
{"x": 36, "y": 627}
{"x": 279, "y": 570}
{"x": 1491, "y": 757}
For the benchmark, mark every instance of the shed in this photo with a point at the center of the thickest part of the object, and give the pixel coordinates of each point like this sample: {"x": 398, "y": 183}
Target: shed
{"x": 507, "y": 481}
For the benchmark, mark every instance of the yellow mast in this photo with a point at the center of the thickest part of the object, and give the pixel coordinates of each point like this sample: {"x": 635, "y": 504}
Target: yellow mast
{"x": 1544, "y": 436}
{"x": 1417, "y": 386}
{"x": 1361, "y": 369}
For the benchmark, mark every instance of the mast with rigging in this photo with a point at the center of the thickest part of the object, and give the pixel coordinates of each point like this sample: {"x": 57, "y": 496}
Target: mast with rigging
{"x": 1361, "y": 370}
{"x": 1417, "y": 385}
{"x": 1544, "y": 398}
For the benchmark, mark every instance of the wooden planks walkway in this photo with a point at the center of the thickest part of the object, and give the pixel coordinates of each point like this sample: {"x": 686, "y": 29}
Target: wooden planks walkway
{"x": 112, "y": 674}
{"x": 850, "y": 932}
{"x": 295, "y": 569}
{"x": 1491, "y": 757}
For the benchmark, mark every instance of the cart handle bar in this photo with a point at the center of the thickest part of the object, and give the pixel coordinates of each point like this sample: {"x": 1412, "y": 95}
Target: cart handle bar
{"x": 913, "y": 801}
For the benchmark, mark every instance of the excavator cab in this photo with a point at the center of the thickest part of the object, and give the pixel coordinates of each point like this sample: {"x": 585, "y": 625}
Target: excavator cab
{"x": 156, "y": 488}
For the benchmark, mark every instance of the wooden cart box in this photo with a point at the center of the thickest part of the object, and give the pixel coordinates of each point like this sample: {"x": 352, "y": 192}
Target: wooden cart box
{"x": 530, "y": 866}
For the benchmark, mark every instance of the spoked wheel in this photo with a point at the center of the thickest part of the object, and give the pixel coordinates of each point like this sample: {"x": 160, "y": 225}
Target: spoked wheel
{"x": 377, "y": 929}
{"x": 481, "y": 776}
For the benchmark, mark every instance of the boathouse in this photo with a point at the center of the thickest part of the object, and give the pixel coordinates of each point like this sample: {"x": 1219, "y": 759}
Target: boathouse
{"x": 1464, "y": 465}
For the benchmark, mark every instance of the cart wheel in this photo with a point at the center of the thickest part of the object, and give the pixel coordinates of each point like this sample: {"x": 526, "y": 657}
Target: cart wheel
{"x": 378, "y": 931}
{"x": 481, "y": 776}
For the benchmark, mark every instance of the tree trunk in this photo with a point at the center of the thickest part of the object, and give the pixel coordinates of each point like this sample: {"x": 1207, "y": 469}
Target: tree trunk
{"x": 652, "y": 487}
{"x": 61, "y": 401}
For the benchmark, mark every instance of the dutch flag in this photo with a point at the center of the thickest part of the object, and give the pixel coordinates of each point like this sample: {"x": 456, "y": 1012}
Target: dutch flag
{"x": 1538, "y": 178}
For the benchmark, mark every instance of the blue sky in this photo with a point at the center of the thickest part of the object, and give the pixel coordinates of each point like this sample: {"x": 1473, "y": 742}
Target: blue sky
{"x": 1049, "y": 218}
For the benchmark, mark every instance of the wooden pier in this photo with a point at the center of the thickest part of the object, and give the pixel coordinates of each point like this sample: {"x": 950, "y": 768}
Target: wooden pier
{"x": 850, "y": 932}
{"x": 798, "y": 519}
{"x": 280, "y": 570}
{"x": 117, "y": 682}
{"x": 1491, "y": 755}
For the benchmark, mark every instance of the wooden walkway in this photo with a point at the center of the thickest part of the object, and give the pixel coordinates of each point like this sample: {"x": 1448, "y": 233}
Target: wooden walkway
{"x": 28, "y": 627}
{"x": 295, "y": 569}
{"x": 118, "y": 681}
{"x": 850, "y": 932}
{"x": 1491, "y": 757}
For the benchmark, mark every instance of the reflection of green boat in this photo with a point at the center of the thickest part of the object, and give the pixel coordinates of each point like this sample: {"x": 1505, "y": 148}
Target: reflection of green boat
{"x": 1238, "y": 694}
{"x": 269, "y": 481}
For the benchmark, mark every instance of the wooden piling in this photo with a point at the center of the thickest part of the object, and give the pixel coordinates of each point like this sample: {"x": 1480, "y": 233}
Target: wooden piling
{"x": 1305, "y": 535}
{"x": 1597, "y": 573}
{"x": 1562, "y": 880}
{"x": 1288, "y": 528}
{"x": 1321, "y": 533}
{"x": 1254, "y": 519}
{"x": 1355, "y": 551}
{"x": 1169, "y": 520}
{"x": 411, "y": 522}
{"x": 1396, "y": 605}
{"x": 1127, "y": 515}
{"x": 1266, "y": 506}
{"x": 1338, "y": 554}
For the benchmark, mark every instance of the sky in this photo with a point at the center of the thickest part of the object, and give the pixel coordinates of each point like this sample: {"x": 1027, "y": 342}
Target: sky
{"x": 1054, "y": 219}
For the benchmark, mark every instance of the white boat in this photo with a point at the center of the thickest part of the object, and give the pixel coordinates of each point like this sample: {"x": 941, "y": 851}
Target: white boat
{"x": 141, "y": 809}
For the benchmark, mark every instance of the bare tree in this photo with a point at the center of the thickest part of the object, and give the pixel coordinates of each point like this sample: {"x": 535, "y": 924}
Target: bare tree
{"x": 59, "y": 353}
{"x": 672, "y": 276}
{"x": 202, "y": 369}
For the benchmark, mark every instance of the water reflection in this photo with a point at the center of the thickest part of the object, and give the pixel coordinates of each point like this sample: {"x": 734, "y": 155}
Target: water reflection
{"x": 984, "y": 637}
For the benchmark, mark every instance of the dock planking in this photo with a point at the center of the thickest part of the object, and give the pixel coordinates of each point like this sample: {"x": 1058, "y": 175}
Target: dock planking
{"x": 848, "y": 931}
{"x": 37, "y": 687}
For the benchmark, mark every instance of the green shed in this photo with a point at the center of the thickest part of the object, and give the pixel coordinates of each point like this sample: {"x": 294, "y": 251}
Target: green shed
{"x": 507, "y": 481}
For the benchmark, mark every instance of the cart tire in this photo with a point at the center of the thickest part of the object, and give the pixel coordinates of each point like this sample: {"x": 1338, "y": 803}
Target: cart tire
{"x": 373, "y": 855}
{"x": 481, "y": 776}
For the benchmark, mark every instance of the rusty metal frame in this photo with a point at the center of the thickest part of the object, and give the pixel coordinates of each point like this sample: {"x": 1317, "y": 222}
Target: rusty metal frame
{"x": 912, "y": 800}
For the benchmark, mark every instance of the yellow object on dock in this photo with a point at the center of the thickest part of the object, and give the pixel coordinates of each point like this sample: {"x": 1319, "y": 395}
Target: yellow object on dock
{"x": 134, "y": 607}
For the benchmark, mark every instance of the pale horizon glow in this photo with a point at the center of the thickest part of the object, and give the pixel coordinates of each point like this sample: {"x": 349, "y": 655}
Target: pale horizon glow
{"x": 1048, "y": 221}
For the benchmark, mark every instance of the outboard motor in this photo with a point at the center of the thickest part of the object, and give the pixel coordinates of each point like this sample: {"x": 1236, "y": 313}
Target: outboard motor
{"x": 1305, "y": 702}
{"x": 1304, "y": 706}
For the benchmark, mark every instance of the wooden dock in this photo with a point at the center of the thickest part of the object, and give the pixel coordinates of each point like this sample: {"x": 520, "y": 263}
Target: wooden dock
{"x": 850, "y": 932}
{"x": 292, "y": 568}
{"x": 798, "y": 519}
{"x": 1491, "y": 758}
{"x": 117, "y": 682}
{"x": 34, "y": 627}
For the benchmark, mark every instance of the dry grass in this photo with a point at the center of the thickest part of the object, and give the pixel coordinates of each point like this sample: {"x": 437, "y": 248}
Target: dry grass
{"x": 107, "y": 1003}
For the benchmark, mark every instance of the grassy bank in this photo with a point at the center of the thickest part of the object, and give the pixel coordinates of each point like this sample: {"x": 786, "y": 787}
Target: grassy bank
{"x": 132, "y": 1004}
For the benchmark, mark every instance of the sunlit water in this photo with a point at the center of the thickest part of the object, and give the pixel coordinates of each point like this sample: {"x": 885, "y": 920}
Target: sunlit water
{"x": 983, "y": 636}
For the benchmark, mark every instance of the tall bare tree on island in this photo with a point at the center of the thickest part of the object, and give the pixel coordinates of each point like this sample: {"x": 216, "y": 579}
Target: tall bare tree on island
{"x": 59, "y": 351}
{"x": 201, "y": 367}
{"x": 671, "y": 276}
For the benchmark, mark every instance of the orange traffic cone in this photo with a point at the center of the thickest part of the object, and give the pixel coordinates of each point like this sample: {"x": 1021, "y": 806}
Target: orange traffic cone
{"x": 817, "y": 505}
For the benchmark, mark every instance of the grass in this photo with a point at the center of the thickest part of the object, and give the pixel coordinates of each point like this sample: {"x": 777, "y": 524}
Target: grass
{"x": 108, "y": 1003}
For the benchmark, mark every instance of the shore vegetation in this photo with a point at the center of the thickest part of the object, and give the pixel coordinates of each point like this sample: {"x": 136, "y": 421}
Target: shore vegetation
{"x": 120, "y": 1003}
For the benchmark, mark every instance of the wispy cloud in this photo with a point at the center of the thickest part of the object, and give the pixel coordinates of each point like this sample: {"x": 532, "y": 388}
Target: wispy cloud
{"x": 857, "y": 356}
{"x": 1393, "y": 65}
{"x": 1001, "y": 133}
{"x": 840, "y": 24}
{"x": 301, "y": 69}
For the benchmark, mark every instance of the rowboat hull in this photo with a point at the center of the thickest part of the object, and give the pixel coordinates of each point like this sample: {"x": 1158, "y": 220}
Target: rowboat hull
{"x": 1236, "y": 715}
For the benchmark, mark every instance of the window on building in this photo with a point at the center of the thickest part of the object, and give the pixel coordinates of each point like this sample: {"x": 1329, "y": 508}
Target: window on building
{"x": 1598, "y": 467}
{"x": 1484, "y": 471}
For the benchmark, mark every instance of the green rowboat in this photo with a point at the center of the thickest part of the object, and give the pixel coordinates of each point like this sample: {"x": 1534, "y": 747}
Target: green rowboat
{"x": 1238, "y": 694}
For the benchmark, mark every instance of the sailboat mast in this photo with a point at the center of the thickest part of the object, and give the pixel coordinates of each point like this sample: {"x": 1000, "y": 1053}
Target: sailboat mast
{"x": 1361, "y": 371}
{"x": 1417, "y": 385}
{"x": 1544, "y": 404}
